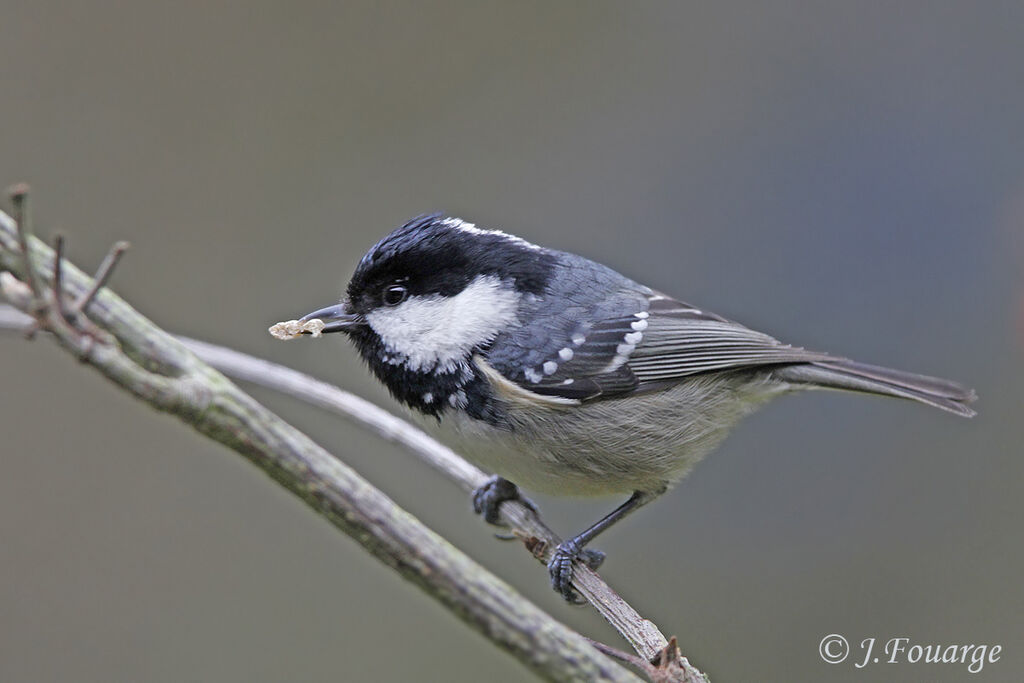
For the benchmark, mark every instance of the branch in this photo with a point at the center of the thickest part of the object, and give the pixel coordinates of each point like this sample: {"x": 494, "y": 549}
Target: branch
{"x": 641, "y": 633}
{"x": 158, "y": 368}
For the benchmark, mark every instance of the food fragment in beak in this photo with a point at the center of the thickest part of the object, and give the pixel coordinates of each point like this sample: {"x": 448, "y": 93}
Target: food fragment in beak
{"x": 290, "y": 329}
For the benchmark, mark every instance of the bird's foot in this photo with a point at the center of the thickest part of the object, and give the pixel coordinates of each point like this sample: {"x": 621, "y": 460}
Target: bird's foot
{"x": 489, "y": 497}
{"x": 560, "y": 567}
{"x": 592, "y": 558}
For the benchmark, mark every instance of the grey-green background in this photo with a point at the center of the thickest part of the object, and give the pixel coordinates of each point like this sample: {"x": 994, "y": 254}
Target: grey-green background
{"x": 846, "y": 176}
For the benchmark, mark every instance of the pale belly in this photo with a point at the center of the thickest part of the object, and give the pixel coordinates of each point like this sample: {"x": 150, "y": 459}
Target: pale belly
{"x": 642, "y": 443}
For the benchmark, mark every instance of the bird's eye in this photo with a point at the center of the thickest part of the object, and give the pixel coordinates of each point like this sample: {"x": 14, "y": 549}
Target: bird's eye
{"x": 394, "y": 295}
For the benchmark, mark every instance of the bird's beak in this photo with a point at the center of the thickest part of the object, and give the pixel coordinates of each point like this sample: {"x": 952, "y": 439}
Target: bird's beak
{"x": 336, "y": 318}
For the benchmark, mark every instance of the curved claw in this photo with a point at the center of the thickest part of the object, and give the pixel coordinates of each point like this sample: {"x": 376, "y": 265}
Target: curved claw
{"x": 560, "y": 568}
{"x": 592, "y": 558}
{"x": 489, "y": 497}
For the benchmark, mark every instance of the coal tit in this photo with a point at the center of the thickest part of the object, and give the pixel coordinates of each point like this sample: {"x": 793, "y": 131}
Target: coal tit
{"x": 563, "y": 376}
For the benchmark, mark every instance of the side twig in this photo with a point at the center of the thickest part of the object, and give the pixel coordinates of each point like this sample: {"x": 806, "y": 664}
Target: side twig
{"x": 103, "y": 274}
{"x": 21, "y": 198}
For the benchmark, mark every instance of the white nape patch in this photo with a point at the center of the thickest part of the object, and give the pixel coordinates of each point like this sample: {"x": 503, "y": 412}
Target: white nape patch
{"x": 578, "y": 339}
{"x": 464, "y": 226}
{"x": 566, "y": 354}
{"x": 639, "y": 325}
{"x": 550, "y": 367}
{"x": 436, "y": 332}
{"x": 643, "y": 315}
{"x": 533, "y": 375}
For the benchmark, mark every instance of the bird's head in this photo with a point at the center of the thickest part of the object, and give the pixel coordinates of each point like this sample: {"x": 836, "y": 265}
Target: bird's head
{"x": 434, "y": 291}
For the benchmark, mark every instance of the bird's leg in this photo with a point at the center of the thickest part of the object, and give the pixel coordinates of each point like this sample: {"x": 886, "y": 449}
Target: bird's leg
{"x": 560, "y": 567}
{"x": 489, "y": 497}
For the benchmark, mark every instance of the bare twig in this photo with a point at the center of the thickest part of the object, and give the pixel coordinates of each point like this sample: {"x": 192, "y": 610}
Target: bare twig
{"x": 172, "y": 367}
{"x": 21, "y": 197}
{"x": 58, "y": 278}
{"x": 103, "y": 274}
{"x": 667, "y": 666}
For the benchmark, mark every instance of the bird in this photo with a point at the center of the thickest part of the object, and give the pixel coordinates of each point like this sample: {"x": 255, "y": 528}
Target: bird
{"x": 563, "y": 376}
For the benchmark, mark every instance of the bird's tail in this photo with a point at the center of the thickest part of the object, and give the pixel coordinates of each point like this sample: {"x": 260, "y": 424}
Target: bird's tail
{"x": 872, "y": 379}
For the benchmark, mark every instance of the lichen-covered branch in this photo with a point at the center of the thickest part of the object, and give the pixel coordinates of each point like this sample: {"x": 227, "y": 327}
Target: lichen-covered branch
{"x": 641, "y": 633}
{"x": 166, "y": 372}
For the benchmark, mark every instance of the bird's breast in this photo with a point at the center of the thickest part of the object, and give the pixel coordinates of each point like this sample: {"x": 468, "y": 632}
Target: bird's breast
{"x": 615, "y": 446}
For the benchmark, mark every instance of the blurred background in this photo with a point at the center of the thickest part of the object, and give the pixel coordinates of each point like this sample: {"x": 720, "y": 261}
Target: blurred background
{"x": 846, "y": 176}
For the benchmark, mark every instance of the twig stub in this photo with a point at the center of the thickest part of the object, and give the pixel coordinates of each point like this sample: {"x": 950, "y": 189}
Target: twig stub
{"x": 21, "y": 198}
{"x": 103, "y": 274}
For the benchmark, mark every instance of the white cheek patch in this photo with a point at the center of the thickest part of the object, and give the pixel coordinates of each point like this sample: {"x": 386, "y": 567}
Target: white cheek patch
{"x": 437, "y": 332}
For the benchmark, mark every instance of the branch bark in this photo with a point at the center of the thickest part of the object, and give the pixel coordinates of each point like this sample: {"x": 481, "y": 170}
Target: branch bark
{"x": 167, "y": 373}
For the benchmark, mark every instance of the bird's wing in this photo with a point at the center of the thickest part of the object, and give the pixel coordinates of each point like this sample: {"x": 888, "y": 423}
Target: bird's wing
{"x": 652, "y": 341}
{"x": 681, "y": 340}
